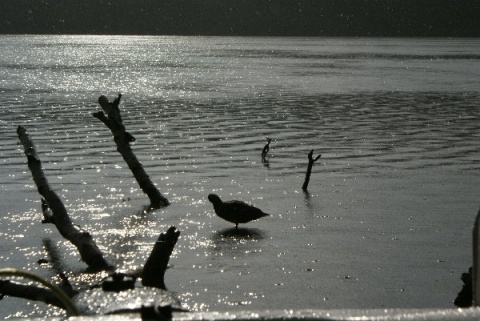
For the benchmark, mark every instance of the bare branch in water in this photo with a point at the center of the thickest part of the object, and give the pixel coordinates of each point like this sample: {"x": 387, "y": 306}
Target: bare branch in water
{"x": 157, "y": 262}
{"x": 56, "y": 211}
{"x": 311, "y": 160}
{"x": 122, "y": 139}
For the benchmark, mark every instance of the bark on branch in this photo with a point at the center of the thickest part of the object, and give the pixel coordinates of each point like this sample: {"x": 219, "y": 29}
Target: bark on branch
{"x": 83, "y": 240}
{"x": 122, "y": 139}
{"x": 311, "y": 160}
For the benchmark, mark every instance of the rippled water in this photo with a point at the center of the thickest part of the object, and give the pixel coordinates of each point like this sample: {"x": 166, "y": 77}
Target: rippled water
{"x": 387, "y": 216}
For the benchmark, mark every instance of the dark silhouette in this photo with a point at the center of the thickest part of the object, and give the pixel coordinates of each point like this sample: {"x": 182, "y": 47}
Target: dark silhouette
{"x": 311, "y": 160}
{"x": 464, "y": 298}
{"x": 266, "y": 148}
{"x": 152, "y": 279}
{"x": 157, "y": 263}
{"x": 235, "y": 211}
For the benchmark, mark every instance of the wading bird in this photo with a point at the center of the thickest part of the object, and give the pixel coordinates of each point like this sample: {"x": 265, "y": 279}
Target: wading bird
{"x": 235, "y": 211}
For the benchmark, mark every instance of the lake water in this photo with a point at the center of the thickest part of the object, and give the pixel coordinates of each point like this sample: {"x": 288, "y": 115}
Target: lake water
{"x": 386, "y": 221}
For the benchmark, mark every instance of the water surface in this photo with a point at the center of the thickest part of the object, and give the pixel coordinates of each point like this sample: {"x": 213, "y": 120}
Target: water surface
{"x": 385, "y": 222}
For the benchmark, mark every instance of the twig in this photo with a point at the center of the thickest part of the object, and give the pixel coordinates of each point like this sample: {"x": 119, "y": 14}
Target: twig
{"x": 311, "y": 160}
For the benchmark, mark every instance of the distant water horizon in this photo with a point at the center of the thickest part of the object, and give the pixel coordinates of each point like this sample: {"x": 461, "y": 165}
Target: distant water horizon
{"x": 385, "y": 223}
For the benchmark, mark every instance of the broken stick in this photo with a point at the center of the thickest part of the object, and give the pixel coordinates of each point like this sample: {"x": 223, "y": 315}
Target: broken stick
{"x": 157, "y": 263}
{"x": 311, "y": 160}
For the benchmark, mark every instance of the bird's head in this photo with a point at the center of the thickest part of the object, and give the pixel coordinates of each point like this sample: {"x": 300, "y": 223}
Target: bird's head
{"x": 214, "y": 199}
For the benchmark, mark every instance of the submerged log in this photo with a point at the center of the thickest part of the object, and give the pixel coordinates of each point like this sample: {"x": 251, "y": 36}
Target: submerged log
{"x": 311, "y": 160}
{"x": 122, "y": 139}
{"x": 157, "y": 263}
{"x": 83, "y": 240}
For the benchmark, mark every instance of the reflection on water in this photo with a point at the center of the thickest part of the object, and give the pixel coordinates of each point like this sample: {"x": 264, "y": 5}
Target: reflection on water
{"x": 190, "y": 149}
{"x": 235, "y": 242}
{"x": 54, "y": 257}
{"x": 234, "y": 235}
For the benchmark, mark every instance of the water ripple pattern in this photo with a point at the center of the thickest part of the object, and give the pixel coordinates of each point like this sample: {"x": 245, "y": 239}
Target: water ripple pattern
{"x": 386, "y": 220}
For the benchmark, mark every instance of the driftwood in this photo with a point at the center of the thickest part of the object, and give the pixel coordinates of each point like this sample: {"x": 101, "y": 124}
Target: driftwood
{"x": 311, "y": 160}
{"x": 153, "y": 275}
{"x": 122, "y": 139}
{"x": 56, "y": 211}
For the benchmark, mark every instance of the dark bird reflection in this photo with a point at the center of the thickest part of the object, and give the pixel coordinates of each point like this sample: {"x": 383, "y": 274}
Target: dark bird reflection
{"x": 237, "y": 242}
{"x": 239, "y": 234}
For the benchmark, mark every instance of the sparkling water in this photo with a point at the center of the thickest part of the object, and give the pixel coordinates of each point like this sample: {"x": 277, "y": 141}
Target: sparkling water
{"x": 385, "y": 223}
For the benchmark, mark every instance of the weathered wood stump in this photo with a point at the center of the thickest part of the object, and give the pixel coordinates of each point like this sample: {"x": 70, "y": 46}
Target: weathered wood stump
{"x": 157, "y": 263}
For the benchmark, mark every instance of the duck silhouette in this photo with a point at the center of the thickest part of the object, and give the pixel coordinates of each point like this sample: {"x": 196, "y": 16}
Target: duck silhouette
{"x": 235, "y": 211}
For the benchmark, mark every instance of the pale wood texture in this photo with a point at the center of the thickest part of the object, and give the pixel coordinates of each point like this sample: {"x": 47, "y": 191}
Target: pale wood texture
{"x": 83, "y": 241}
{"x": 122, "y": 139}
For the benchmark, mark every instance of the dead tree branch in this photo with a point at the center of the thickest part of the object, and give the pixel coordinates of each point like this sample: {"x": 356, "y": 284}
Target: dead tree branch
{"x": 153, "y": 274}
{"x": 83, "y": 240}
{"x": 311, "y": 160}
{"x": 122, "y": 139}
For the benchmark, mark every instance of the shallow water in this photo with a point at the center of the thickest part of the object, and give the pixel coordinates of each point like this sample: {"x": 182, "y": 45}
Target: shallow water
{"x": 387, "y": 218}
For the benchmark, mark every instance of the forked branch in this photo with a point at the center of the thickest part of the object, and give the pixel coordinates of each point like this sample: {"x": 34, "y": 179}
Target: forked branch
{"x": 311, "y": 160}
